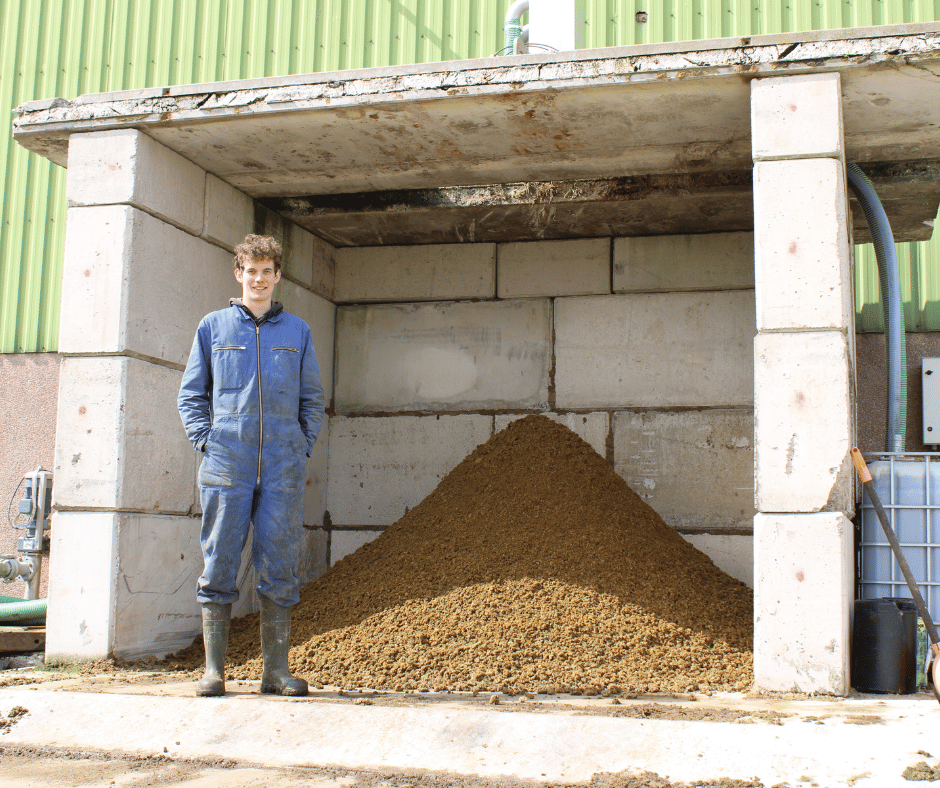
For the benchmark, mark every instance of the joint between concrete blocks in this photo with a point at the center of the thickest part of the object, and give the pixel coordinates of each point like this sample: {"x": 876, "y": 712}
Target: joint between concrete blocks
{"x": 124, "y": 510}
{"x": 845, "y": 330}
{"x": 839, "y": 155}
{"x": 552, "y": 364}
{"x": 218, "y": 245}
{"x": 160, "y": 362}
{"x": 308, "y": 288}
{"x": 382, "y": 414}
{"x": 609, "y": 442}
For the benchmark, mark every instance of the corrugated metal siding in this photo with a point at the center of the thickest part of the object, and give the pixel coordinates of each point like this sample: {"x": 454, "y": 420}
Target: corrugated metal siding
{"x": 31, "y": 233}
{"x": 614, "y": 23}
{"x": 919, "y": 266}
{"x": 68, "y": 47}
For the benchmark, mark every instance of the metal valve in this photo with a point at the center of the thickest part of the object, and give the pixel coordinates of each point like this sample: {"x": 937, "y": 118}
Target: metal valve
{"x": 36, "y": 506}
{"x": 14, "y": 568}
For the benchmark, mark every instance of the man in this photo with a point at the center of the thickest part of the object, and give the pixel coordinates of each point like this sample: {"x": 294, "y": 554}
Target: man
{"x": 251, "y": 399}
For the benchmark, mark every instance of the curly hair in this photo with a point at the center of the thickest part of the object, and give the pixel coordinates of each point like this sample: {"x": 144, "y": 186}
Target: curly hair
{"x": 258, "y": 247}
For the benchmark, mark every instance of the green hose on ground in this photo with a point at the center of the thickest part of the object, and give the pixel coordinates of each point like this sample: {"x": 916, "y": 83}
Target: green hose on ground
{"x": 14, "y": 610}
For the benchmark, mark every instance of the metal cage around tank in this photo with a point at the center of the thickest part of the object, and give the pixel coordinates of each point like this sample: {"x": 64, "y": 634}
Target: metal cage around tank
{"x": 908, "y": 485}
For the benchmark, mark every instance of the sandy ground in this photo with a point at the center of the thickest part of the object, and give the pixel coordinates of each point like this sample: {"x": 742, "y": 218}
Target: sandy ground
{"x": 32, "y": 767}
{"x": 43, "y": 768}
{"x": 153, "y": 678}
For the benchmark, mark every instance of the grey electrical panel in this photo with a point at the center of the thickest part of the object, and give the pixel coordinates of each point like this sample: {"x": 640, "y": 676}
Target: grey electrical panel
{"x": 930, "y": 386}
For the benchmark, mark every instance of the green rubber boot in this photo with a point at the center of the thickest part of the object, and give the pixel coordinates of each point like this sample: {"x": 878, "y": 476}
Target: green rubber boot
{"x": 215, "y": 626}
{"x": 275, "y": 643}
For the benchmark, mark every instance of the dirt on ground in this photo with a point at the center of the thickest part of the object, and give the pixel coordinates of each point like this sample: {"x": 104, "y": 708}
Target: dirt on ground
{"x": 532, "y": 567}
{"x": 922, "y": 772}
{"x": 659, "y": 711}
{"x": 38, "y": 767}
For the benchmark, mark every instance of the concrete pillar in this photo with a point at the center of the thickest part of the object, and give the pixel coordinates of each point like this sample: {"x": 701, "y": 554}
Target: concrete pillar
{"x": 804, "y": 397}
{"x": 148, "y": 253}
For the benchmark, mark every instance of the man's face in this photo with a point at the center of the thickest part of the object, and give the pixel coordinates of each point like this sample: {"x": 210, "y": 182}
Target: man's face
{"x": 257, "y": 279}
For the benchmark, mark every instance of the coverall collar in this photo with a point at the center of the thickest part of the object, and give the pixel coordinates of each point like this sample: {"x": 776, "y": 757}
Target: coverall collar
{"x": 273, "y": 314}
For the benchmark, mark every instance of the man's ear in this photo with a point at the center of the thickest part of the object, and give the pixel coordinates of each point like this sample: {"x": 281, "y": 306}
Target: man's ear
{"x": 277, "y": 276}
{"x": 239, "y": 273}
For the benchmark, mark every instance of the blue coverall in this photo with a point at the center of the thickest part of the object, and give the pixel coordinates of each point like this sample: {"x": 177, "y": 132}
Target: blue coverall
{"x": 252, "y": 400}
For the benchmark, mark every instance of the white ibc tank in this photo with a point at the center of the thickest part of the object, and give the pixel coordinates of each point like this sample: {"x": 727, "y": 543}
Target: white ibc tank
{"x": 908, "y": 485}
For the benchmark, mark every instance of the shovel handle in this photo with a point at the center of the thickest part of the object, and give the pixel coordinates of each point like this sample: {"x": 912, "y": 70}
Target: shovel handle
{"x": 861, "y": 468}
{"x": 934, "y": 671}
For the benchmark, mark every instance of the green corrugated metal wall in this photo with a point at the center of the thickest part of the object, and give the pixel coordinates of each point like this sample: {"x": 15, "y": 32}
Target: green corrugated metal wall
{"x": 919, "y": 266}
{"x": 613, "y": 22}
{"x": 65, "y": 48}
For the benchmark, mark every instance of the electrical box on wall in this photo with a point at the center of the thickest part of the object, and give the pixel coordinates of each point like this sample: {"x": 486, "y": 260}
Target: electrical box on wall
{"x": 930, "y": 388}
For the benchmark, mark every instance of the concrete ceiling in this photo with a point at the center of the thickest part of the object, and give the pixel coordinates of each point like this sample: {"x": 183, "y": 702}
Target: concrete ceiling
{"x": 621, "y": 141}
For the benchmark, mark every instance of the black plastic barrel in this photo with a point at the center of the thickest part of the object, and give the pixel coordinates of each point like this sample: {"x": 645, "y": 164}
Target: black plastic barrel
{"x": 884, "y": 646}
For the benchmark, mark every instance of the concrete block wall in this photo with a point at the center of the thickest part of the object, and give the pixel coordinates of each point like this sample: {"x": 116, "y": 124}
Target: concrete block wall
{"x": 804, "y": 387}
{"x": 395, "y": 273}
{"x": 148, "y": 254}
{"x": 545, "y": 268}
{"x": 438, "y": 347}
{"x": 720, "y": 261}
{"x": 691, "y": 466}
{"x": 380, "y": 467}
{"x": 444, "y": 356}
{"x": 655, "y": 350}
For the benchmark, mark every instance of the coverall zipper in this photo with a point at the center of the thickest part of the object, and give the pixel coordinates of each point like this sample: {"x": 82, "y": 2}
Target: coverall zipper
{"x": 260, "y": 401}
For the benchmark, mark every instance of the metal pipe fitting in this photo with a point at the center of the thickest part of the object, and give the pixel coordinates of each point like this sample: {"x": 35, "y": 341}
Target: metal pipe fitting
{"x": 13, "y": 568}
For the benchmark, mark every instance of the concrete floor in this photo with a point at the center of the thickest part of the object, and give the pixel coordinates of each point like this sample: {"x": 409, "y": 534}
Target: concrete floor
{"x": 864, "y": 740}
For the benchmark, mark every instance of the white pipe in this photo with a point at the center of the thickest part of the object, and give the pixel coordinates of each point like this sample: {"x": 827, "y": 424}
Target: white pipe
{"x": 13, "y": 568}
{"x": 521, "y": 45}
{"x": 517, "y": 9}
{"x": 512, "y": 27}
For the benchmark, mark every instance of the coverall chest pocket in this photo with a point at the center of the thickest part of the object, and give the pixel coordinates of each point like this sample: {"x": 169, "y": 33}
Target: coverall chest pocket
{"x": 230, "y": 366}
{"x": 286, "y": 368}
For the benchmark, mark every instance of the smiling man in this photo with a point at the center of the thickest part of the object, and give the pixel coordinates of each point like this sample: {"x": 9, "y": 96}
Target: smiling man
{"x": 252, "y": 400}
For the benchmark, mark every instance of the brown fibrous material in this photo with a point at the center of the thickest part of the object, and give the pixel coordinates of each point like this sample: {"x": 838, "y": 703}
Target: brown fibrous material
{"x": 532, "y": 567}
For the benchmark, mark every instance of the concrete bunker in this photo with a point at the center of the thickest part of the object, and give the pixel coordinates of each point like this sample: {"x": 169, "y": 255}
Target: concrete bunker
{"x": 659, "y": 256}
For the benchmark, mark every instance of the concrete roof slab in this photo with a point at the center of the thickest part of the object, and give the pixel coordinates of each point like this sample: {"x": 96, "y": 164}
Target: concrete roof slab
{"x": 672, "y": 109}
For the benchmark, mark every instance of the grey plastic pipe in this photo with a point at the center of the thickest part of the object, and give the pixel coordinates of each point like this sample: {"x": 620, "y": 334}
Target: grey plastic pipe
{"x": 13, "y": 609}
{"x": 896, "y": 346}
